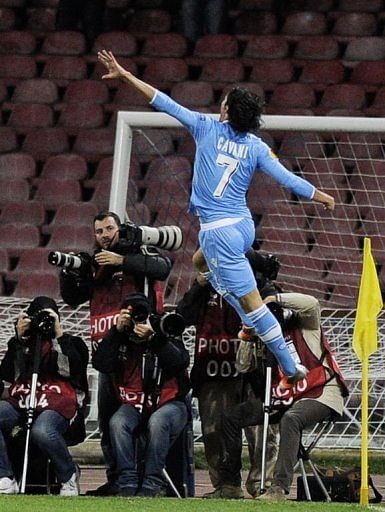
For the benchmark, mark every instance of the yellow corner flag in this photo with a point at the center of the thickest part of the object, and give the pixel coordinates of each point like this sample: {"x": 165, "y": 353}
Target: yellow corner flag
{"x": 368, "y": 307}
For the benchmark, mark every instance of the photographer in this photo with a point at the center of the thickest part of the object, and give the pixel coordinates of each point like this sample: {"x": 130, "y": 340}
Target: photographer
{"x": 148, "y": 368}
{"x": 61, "y": 392}
{"x": 319, "y": 396}
{"x": 215, "y": 379}
{"x": 117, "y": 268}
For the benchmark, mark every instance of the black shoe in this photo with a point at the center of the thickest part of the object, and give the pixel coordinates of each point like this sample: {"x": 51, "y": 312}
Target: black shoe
{"x": 107, "y": 489}
{"x": 146, "y": 492}
{"x": 126, "y": 492}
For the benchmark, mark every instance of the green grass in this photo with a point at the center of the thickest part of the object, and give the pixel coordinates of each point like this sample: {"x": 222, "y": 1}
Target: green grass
{"x": 91, "y": 504}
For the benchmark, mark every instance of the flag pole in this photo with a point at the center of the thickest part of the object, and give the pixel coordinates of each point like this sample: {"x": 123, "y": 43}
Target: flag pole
{"x": 364, "y": 491}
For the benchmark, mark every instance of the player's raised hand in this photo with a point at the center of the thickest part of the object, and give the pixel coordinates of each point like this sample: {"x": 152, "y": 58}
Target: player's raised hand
{"x": 115, "y": 70}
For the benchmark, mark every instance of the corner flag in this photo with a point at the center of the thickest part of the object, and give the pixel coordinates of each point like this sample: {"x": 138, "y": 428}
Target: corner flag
{"x": 368, "y": 307}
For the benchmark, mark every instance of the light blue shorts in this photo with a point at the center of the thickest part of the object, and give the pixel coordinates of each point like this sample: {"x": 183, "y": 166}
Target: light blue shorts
{"x": 224, "y": 249}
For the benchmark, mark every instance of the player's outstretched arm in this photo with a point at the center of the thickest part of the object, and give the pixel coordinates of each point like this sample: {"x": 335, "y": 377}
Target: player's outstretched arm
{"x": 115, "y": 70}
{"x": 327, "y": 200}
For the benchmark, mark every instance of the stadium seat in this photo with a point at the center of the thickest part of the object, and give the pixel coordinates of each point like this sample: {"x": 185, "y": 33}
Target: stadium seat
{"x": 30, "y": 116}
{"x": 271, "y": 72}
{"x": 358, "y": 146}
{"x": 54, "y": 193}
{"x": 95, "y": 143}
{"x": 344, "y": 95}
{"x": 170, "y": 168}
{"x": 312, "y": 5}
{"x": 321, "y": 73}
{"x": 186, "y": 147}
{"x": 355, "y": 24}
{"x": 165, "y": 45}
{"x": 79, "y": 116}
{"x": 193, "y": 94}
{"x": 64, "y": 42}
{"x": 281, "y": 216}
{"x": 100, "y": 70}
{"x": 332, "y": 246}
{"x": 104, "y": 172}
{"x": 219, "y": 46}
{"x": 343, "y": 296}
{"x": 13, "y": 190}
{"x": 223, "y": 70}
{"x": 17, "y": 165}
{"x": 126, "y": 97}
{"x": 298, "y": 145}
{"x": 160, "y": 199}
{"x": 316, "y": 48}
{"x": 41, "y": 19}
{"x": 72, "y": 214}
{"x": 366, "y": 201}
{"x": 61, "y": 69}
{"x": 165, "y": 70}
{"x": 4, "y": 261}
{"x": 16, "y": 67}
{"x": 253, "y": 22}
{"x": 101, "y": 194}
{"x": 360, "y": 5}
{"x": 32, "y": 285}
{"x": 152, "y": 142}
{"x": 45, "y": 141}
{"x": 144, "y": 21}
{"x": 8, "y": 140}
{"x": 370, "y": 74}
{"x": 332, "y": 167}
{"x": 74, "y": 238}
{"x": 293, "y": 95}
{"x": 138, "y": 213}
{"x": 35, "y": 90}
{"x": 67, "y": 166}
{"x": 20, "y": 42}
{"x": 365, "y": 48}
{"x": 19, "y": 237}
{"x": 304, "y": 23}
{"x": 265, "y": 47}
{"x": 378, "y": 105}
{"x": 27, "y": 212}
{"x": 90, "y": 91}
{"x": 121, "y": 42}
{"x": 33, "y": 261}
{"x": 7, "y": 19}
{"x": 281, "y": 242}
{"x": 303, "y": 266}
{"x": 335, "y": 225}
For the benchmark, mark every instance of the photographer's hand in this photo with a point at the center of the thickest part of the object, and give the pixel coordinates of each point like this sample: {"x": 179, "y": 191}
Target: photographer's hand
{"x": 57, "y": 326}
{"x": 144, "y": 330}
{"x": 108, "y": 258}
{"x": 22, "y": 325}
{"x": 124, "y": 320}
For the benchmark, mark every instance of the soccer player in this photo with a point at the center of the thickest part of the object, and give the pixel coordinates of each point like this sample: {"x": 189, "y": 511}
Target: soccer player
{"x": 227, "y": 154}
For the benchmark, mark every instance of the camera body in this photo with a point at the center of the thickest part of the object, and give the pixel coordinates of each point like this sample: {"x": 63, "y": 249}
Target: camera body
{"x": 42, "y": 323}
{"x": 132, "y": 237}
{"x": 168, "y": 324}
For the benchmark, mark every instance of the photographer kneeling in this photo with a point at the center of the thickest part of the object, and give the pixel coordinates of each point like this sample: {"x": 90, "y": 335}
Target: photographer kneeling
{"x": 60, "y": 362}
{"x": 148, "y": 364}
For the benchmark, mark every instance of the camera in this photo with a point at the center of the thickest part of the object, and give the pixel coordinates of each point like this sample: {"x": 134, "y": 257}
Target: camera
{"x": 42, "y": 323}
{"x": 168, "y": 324}
{"x": 271, "y": 267}
{"x": 81, "y": 261}
{"x": 131, "y": 236}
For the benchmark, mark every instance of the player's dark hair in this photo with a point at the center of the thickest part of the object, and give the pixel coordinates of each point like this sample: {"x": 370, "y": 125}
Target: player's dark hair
{"x": 104, "y": 214}
{"x": 244, "y": 109}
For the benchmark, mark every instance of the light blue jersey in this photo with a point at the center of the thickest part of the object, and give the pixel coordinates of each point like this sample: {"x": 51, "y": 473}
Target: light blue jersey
{"x": 225, "y": 162}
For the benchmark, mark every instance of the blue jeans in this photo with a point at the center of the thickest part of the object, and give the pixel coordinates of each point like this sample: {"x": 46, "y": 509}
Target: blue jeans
{"x": 163, "y": 428}
{"x": 46, "y": 433}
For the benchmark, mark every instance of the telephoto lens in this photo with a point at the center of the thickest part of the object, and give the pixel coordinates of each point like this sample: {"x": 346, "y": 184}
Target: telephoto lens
{"x": 61, "y": 259}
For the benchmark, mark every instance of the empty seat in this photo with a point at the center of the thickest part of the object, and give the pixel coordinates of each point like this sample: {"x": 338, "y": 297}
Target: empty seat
{"x": 165, "y": 45}
{"x": 272, "y": 71}
{"x": 343, "y": 96}
{"x": 72, "y": 238}
{"x": 167, "y": 69}
{"x": 126, "y": 97}
{"x": 217, "y": 45}
{"x": 252, "y": 22}
{"x": 138, "y": 213}
{"x": 266, "y": 47}
{"x": 53, "y": 193}
{"x": 33, "y": 261}
{"x": 19, "y": 237}
{"x": 343, "y": 296}
{"x": 64, "y": 68}
{"x": 27, "y": 116}
{"x": 40, "y": 283}
{"x": 120, "y": 42}
{"x": 322, "y": 73}
{"x": 41, "y": 19}
{"x": 280, "y": 242}
{"x": 66, "y": 42}
{"x": 68, "y": 166}
{"x": 104, "y": 172}
{"x": 160, "y": 199}
{"x": 365, "y": 48}
{"x": 369, "y": 73}
{"x": 100, "y": 70}
{"x": 101, "y": 194}
{"x": 4, "y": 261}
{"x": 17, "y": 41}
{"x": 360, "y": 5}
{"x": 7, "y": 19}
{"x": 171, "y": 168}
{"x": 46, "y": 141}
{"x": 27, "y": 212}
{"x": 379, "y": 101}
{"x": 152, "y": 142}
{"x": 90, "y": 91}
{"x": 312, "y": 5}
{"x": 8, "y": 140}
{"x": 16, "y": 67}
{"x": 17, "y": 165}
{"x": 355, "y": 24}
{"x": 154, "y": 21}
{"x": 302, "y": 145}
{"x": 193, "y": 94}
{"x": 77, "y": 116}
{"x": 304, "y": 23}
{"x": 72, "y": 214}
{"x": 306, "y": 268}
{"x": 336, "y": 245}
{"x": 35, "y": 90}
{"x": 223, "y": 70}
{"x": 12, "y": 190}
{"x": 316, "y": 48}
{"x": 358, "y": 146}
{"x": 95, "y": 142}
{"x": 293, "y": 95}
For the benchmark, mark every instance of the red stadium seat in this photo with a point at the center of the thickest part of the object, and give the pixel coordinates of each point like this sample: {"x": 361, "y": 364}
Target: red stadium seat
{"x": 54, "y": 193}
{"x": 25, "y": 117}
{"x": 101, "y": 194}
{"x": 31, "y": 262}
{"x": 312, "y": 5}
{"x": 266, "y": 47}
{"x": 370, "y": 73}
{"x": 223, "y": 70}
{"x": 127, "y": 97}
{"x": 95, "y": 143}
{"x": 104, "y": 172}
{"x": 32, "y": 285}
{"x": 121, "y": 42}
{"x": 35, "y": 90}
{"x": 17, "y": 41}
{"x": 67, "y": 166}
{"x": 27, "y": 212}
{"x": 4, "y": 261}
{"x": 100, "y": 70}
{"x": 302, "y": 146}
{"x": 161, "y": 199}
{"x": 152, "y": 142}
{"x": 334, "y": 246}
{"x": 17, "y": 165}
{"x": 343, "y": 296}
{"x": 65, "y": 42}
{"x": 193, "y": 94}
{"x": 171, "y": 168}
{"x": 360, "y": 5}
{"x": 304, "y": 24}
{"x": 7, "y": 19}
{"x": 155, "y": 21}
{"x": 252, "y": 22}
{"x": 41, "y": 19}
{"x": 83, "y": 115}
{"x": 283, "y": 242}
{"x": 365, "y": 48}
{"x": 358, "y": 146}
{"x": 217, "y": 46}
{"x": 139, "y": 213}
{"x": 46, "y": 141}
{"x": 355, "y": 24}
{"x": 322, "y": 73}
{"x": 165, "y": 45}
{"x": 316, "y": 48}
{"x": 165, "y": 70}
{"x": 72, "y": 238}
{"x": 72, "y": 214}
{"x": 64, "y": 68}
{"x": 343, "y": 96}
{"x": 293, "y": 95}
{"x": 8, "y": 140}
{"x": 12, "y": 190}
{"x": 90, "y": 91}
{"x": 268, "y": 72}
{"x": 16, "y": 67}
{"x": 19, "y": 237}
